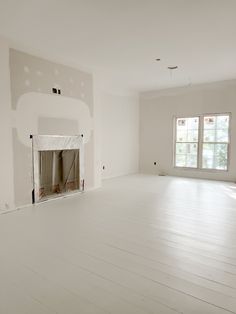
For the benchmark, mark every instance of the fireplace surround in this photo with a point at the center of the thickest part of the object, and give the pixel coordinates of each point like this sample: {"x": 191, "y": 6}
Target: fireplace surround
{"x": 58, "y": 166}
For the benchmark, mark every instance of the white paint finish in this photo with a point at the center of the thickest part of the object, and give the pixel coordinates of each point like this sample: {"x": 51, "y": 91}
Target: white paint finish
{"x": 97, "y": 130}
{"x": 6, "y": 171}
{"x": 127, "y": 36}
{"x": 31, "y": 109}
{"x": 157, "y": 111}
{"x": 120, "y": 134}
{"x": 33, "y": 106}
{"x": 37, "y": 111}
{"x": 40, "y": 113}
{"x": 141, "y": 244}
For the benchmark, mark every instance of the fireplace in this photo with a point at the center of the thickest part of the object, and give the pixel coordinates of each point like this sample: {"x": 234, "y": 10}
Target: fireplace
{"x": 57, "y": 166}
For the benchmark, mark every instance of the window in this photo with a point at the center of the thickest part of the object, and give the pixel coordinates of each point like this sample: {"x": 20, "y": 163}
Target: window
{"x": 202, "y": 142}
{"x": 187, "y": 142}
{"x": 215, "y": 142}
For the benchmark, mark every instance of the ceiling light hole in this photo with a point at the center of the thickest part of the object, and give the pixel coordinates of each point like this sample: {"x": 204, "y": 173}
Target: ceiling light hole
{"x": 173, "y": 67}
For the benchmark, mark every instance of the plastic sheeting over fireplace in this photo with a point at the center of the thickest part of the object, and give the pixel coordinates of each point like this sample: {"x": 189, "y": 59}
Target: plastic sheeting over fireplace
{"x": 58, "y": 166}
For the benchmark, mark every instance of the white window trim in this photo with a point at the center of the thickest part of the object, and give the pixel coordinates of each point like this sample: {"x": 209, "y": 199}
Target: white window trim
{"x": 201, "y": 142}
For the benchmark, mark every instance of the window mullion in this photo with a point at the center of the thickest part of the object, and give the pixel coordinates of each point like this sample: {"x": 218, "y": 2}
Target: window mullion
{"x": 200, "y": 141}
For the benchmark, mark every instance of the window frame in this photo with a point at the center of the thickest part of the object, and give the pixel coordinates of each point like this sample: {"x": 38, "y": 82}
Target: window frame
{"x": 175, "y": 142}
{"x": 201, "y": 141}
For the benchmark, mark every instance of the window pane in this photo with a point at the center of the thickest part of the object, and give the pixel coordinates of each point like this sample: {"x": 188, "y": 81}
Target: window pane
{"x": 181, "y": 136}
{"x": 216, "y": 129}
{"x": 208, "y": 156}
{"x": 186, "y": 148}
{"x": 192, "y": 161}
{"x": 181, "y": 148}
{"x": 182, "y": 131}
{"x": 209, "y": 123}
{"x": 187, "y": 129}
{"x": 209, "y": 136}
{"x": 186, "y": 155}
{"x": 192, "y": 136}
{"x": 180, "y": 161}
{"x": 221, "y": 156}
{"x": 215, "y": 156}
{"x": 222, "y": 135}
{"x": 182, "y": 123}
{"x": 223, "y": 122}
{"x": 192, "y": 149}
{"x": 193, "y": 123}
{"x": 216, "y": 135}
{"x": 187, "y": 142}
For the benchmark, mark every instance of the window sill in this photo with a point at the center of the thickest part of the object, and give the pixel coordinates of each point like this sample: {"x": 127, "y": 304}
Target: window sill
{"x": 201, "y": 169}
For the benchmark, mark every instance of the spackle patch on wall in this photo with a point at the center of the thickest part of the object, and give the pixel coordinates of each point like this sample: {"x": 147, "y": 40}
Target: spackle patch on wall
{"x": 31, "y": 74}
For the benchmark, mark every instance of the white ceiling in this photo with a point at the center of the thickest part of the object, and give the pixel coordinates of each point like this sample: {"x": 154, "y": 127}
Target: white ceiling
{"x": 122, "y": 38}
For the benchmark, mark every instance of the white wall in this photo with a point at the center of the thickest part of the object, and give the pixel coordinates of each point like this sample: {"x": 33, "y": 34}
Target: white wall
{"x": 114, "y": 138}
{"x": 120, "y": 134}
{"x": 97, "y": 131}
{"x": 6, "y": 163}
{"x": 37, "y": 111}
{"x": 157, "y": 110}
{"x": 17, "y": 118}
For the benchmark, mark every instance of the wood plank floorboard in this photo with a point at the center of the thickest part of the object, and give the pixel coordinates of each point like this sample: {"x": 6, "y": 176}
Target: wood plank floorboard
{"x": 140, "y": 244}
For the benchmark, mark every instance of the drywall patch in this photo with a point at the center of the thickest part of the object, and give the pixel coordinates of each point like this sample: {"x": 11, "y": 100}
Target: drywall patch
{"x": 32, "y": 107}
{"x": 48, "y": 126}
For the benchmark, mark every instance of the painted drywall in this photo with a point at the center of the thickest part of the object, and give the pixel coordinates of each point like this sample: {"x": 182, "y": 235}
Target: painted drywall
{"x": 6, "y": 156}
{"x": 36, "y": 110}
{"x": 45, "y": 114}
{"x": 157, "y": 111}
{"x": 109, "y": 122}
{"x": 120, "y": 134}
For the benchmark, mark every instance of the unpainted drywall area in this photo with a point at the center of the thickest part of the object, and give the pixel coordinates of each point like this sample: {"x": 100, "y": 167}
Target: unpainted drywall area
{"x": 36, "y": 110}
{"x": 33, "y": 74}
{"x": 157, "y": 112}
{"x": 120, "y": 134}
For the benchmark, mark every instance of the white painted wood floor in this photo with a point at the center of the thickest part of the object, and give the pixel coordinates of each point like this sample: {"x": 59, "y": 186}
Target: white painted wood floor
{"x": 141, "y": 244}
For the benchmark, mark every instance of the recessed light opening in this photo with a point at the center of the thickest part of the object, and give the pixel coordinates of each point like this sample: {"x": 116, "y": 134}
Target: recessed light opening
{"x": 173, "y": 68}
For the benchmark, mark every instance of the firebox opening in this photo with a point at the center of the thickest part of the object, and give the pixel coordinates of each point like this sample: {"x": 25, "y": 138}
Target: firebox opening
{"x": 59, "y": 172}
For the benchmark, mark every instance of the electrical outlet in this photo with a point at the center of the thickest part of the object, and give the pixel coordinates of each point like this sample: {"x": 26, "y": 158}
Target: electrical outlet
{"x": 54, "y": 90}
{"x": 59, "y": 91}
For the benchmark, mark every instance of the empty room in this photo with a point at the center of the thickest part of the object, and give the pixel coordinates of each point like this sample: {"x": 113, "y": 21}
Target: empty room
{"x": 118, "y": 156}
